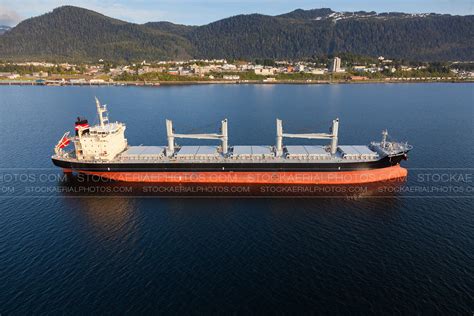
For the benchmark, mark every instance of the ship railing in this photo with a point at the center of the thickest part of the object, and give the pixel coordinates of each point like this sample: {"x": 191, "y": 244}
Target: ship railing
{"x": 392, "y": 147}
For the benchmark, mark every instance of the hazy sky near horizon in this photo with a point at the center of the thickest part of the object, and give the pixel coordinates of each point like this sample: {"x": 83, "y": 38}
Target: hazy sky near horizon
{"x": 198, "y": 12}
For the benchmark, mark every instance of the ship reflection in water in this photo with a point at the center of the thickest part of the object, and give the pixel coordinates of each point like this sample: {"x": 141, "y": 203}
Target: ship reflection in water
{"x": 84, "y": 185}
{"x": 109, "y": 219}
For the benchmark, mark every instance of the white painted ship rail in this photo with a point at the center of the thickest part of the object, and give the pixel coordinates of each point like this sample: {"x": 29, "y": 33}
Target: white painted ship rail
{"x": 390, "y": 148}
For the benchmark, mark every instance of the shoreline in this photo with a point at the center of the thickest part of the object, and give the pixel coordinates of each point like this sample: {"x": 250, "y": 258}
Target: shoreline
{"x": 225, "y": 82}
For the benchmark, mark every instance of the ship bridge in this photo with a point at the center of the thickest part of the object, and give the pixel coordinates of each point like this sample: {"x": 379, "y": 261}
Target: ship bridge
{"x": 100, "y": 142}
{"x": 106, "y": 129}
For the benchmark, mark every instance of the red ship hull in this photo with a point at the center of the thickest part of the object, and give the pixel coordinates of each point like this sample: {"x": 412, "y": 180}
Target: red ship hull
{"x": 268, "y": 177}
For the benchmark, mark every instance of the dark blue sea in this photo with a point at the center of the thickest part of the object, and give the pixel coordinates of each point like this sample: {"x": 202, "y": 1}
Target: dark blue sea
{"x": 68, "y": 247}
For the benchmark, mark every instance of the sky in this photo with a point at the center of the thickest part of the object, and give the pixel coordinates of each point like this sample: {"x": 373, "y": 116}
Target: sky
{"x": 199, "y": 12}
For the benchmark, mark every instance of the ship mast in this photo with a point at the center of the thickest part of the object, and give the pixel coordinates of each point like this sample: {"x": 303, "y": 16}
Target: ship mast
{"x": 384, "y": 137}
{"x": 101, "y": 109}
{"x": 223, "y": 136}
{"x": 333, "y": 136}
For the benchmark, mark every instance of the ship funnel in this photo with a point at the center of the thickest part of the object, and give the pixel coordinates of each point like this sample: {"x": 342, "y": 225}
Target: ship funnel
{"x": 81, "y": 125}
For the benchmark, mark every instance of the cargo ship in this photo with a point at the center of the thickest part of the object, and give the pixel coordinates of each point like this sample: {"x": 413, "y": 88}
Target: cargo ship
{"x": 103, "y": 150}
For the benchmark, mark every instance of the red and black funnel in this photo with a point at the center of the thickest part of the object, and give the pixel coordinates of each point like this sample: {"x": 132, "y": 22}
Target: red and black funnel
{"x": 81, "y": 123}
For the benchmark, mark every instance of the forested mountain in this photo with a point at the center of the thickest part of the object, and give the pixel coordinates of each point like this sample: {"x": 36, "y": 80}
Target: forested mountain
{"x": 178, "y": 29}
{"x": 71, "y": 33}
{"x": 305, "y": 33}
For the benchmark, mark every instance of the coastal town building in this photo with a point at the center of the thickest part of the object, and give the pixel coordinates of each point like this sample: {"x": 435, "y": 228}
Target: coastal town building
{"x": 238, "y": 70}
{"x": 300, "y": 68}
{"x": 265, "y": 71}
{"x": 231, "y": 77}
{"x": 360, "y": 68}
{"x": 97, "y": 81}
{"x": 318, "y": 71}
{"x": 335, "y": 65}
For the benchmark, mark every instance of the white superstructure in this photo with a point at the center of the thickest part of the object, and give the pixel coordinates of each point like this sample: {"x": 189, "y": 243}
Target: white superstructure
{"x": 100, "y": 142}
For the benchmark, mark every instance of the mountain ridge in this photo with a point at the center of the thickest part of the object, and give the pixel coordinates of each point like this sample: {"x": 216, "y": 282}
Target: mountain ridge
{"x": 75, "y": 34}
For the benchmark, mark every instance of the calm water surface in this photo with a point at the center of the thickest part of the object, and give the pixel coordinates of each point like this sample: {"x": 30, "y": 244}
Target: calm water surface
{"x": 406, "y": 252}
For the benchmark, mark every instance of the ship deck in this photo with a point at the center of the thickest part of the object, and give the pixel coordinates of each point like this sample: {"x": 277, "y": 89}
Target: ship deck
{"x": 243, "y": 154}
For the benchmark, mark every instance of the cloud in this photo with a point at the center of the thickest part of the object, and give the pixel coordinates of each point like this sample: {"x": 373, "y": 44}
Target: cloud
{"x": 8, "y": 17}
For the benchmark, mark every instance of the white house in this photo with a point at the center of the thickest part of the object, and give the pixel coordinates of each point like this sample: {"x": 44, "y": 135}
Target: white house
{"x": 231, "y": 77}
{"x": 265, "y": 71}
